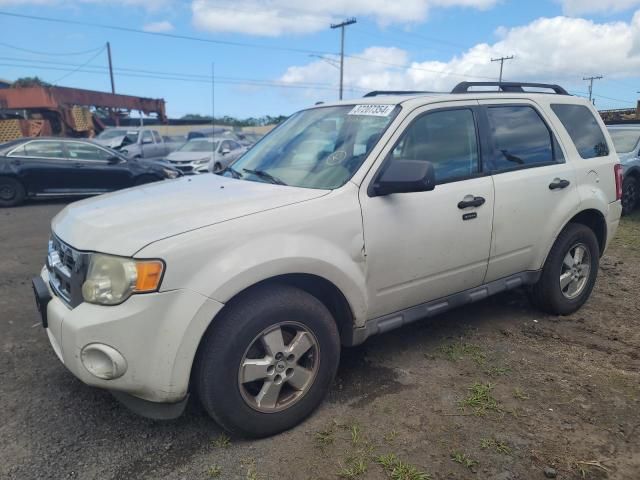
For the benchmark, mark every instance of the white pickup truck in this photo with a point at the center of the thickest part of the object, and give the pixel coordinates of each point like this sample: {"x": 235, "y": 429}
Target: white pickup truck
{"x": 348, "y": 220}
{"x": 134, "y": 142}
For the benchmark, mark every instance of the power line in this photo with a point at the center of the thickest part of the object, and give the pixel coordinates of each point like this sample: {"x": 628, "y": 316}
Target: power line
{"x": 50, "y": 54}
{"x": 55, "y": 82}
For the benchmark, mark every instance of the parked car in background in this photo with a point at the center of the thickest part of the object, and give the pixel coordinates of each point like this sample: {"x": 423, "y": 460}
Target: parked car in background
{"x": 626, "y": 140}
{"x": 202, "y": 155}
{"x": 174, "y": 142}
{"x": 348, "y": 220}
{"x": 134, "y": 142}
{"x": 56, "y": 167}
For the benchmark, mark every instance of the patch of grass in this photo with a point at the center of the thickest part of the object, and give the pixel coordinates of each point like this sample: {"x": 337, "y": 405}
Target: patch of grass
{"x": 396, "y": 469}
{"x": 628, "y": 235}
{"x": 222, "y": 441}
{"x": 464, "y": 460}
{"x": 391, "y": 436}
{"x": 252, "y": 472}
{"x": 497, "y": 371}
{"x": 519, "y": 394}
{"x": 354, "y": 467}
{"x": 481, "y": 399}
{"x": 325, "y": 437}
{"x": 498, "y": 445}
{"x": 458, "y": 351}
{"x": 214, "y": 471}
{"x": 356, "y": 435}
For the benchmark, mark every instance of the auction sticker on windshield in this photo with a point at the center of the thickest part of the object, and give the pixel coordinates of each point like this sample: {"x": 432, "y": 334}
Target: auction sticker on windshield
{"x": 372, "y": 110}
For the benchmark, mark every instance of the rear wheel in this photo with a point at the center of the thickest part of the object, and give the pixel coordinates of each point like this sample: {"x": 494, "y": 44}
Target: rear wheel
{"x": 630, "y": 195}
{"x": 570, "y": 272}
{"x": 12, "y": 192}
{"x": 268, "y": 361}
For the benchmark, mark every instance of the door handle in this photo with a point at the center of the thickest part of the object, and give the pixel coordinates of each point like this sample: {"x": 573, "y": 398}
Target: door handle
{"x": 559, "y": 183}
{"x": 78, "y": 165}
{"x": 471, "y": 201}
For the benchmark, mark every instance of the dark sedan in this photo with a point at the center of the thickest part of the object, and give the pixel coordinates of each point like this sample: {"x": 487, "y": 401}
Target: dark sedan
{"x": 56, "y": 167}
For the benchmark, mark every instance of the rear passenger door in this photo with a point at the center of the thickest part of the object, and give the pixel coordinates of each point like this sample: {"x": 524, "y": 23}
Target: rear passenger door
{"x": 535, "y": 187}
{"x": 96, "y": 172}
{"x": 422, "y": 246}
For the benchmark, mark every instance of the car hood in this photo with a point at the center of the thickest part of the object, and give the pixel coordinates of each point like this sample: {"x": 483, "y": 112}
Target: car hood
{"x": 123, "y": 222}
{"x": 188, "y": 156}
{"x": 114, "y": 142}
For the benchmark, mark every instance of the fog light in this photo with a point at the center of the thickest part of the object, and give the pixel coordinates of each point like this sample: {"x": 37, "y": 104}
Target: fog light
{"x": 103, "y": 361}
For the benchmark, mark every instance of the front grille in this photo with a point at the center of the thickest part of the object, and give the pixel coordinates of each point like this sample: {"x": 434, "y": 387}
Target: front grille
{"x": 67, "y": 271}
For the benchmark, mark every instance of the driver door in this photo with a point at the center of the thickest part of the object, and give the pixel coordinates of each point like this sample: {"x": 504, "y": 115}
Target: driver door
{"x": 426, "y": 245}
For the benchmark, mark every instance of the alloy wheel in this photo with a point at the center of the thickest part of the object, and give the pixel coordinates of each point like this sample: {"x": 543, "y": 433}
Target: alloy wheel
{"x": 575, "y": 271}
{"x": 279, "y": 367}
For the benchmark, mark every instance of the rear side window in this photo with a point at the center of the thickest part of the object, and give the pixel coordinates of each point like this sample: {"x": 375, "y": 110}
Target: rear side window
{"x": 583, "y": 129}
{"x": 520, "y": 138}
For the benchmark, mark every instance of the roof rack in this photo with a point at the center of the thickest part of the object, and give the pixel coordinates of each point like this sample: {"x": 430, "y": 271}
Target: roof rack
{"x": 509, "y": 87}
{"x": 377, "y": 93}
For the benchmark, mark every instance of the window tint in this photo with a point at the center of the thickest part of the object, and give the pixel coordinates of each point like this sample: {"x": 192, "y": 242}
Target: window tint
{"x": 84, "y": 151}
{"x": 583, "y": 130}
{"x": 520, "y": 137}
{"x": 445, "y": 138}
{"x": 44, "y": 149}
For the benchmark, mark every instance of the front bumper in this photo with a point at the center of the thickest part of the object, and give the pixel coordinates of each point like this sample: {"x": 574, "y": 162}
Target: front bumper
{"x": 191, "y": 168}
{"x": 157, "y": 334}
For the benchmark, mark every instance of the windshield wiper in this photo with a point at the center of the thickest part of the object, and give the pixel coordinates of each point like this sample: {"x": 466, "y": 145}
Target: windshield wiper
{"x": 265, "y": 175}
{"x": 234, "y": 173}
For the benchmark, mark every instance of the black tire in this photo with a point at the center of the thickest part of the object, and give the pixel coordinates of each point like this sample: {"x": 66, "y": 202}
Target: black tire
{"x": 12, "y": 192}
{"x": 228, "y": 339}
{"x": 217, "y": 168}
{"x": 144, "y": 179}
{"x": 547, "y": 293}
{"x": 630, "y": 195}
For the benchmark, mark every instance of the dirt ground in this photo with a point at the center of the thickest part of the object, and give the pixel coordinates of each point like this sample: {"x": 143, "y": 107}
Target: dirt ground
{"x": 495, "y": 390}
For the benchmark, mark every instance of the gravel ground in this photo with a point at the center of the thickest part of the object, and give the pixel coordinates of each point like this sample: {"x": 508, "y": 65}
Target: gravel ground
{"x": 495, "y": 390}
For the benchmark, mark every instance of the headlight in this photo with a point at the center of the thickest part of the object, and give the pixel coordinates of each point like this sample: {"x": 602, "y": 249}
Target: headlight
{"x": 170, "y": 173}
{"x": 111, "y": 280}
{"x": 203, "y": 161}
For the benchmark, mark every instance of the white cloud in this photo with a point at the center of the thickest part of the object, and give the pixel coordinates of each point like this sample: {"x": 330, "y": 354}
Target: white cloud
{"x": 581, "y": 7}
{"x": 560, "y": 49}
{"x": 158, "y": 27}
{"x": 146, "y": 4}
{"x": 277, "y": 17}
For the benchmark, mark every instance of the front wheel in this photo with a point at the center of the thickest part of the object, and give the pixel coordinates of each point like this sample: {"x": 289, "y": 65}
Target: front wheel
{"x": 217, "y": 168}
{"x": 268, "y": 361}
{"x": 570, "y": 272}
{"x": 630, "y": 195}
{"x": 12, "y": 192}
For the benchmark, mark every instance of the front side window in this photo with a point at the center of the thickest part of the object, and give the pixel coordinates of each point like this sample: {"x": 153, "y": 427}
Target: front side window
{"x": 317, "y": 148}
{"x": 447, "y": 139}
{"x": 84, "y": 151}
{"x": 156, "y": 137}
{"x": 520, "y": 138}
{"x": 625, "y": 141}
{"x": 44, "y": 149}
{"x": 146, "y": 137}
{"x": 583, "y": 129}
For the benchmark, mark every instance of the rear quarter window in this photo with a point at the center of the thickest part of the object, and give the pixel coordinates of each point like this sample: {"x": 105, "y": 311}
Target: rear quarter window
{"x": 583, "y": 128}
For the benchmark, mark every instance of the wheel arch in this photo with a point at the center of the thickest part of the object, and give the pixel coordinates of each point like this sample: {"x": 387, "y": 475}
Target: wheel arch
{"x": 593, "y": 219}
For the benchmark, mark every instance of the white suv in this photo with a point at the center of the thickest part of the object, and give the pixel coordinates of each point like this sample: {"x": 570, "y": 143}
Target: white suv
{"x": 348, "y": 220}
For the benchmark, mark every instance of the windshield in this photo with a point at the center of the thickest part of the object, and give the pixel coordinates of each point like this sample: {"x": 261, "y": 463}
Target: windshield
{"x": 318, "y": 148}
{"x": 132, "y": 135}
{"x": 624, "y": 141}
{"x": 198, "y": 146}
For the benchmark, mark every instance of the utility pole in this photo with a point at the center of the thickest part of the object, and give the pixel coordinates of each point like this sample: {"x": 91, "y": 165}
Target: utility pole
{"x": 349, "y": 21}
{"x": 590, "y": 80}
{"x": 113, "y": 87}
{"x": 501, "y": 60}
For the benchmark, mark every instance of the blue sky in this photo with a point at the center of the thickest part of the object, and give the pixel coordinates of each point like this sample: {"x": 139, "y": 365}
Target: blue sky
{"x": 414, "y": 44}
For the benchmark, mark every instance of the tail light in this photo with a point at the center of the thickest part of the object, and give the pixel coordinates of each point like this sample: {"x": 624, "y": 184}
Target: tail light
{"x": 617, "y": 171}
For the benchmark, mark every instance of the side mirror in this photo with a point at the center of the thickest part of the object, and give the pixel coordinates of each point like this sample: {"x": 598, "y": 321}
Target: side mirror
{"x": 225, "y": 151}
{"x": 114, "y": 160}
{"x": 405, "y": 176}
